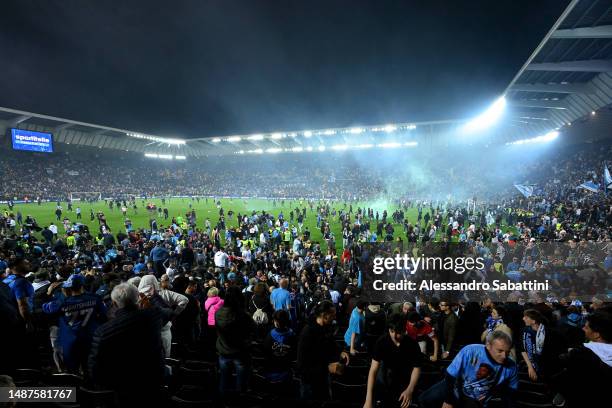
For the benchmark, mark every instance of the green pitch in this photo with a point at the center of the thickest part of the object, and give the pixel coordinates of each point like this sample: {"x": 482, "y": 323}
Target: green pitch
{"x": 45, "y": 214}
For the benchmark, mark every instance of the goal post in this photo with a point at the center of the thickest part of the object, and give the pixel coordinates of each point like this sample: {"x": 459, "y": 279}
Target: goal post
{"x": 86, "y": 196}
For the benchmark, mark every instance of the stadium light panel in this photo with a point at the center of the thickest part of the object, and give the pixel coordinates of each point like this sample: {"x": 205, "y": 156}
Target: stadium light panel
{"x": 549, "y": 137}
{"x": 307, "y": 133}
{"x": 411, "y": 127}
{"x": 297, "y": 149}
{"x": 175, "y": 142}
{"x": 167, "y": 140}
{"x": 356, "y": 131}
{"x": 390, "y": 128}
{"x": 234, "y": 139}
{"x": 274, "y": 150}
{"x": 276, "y": 136}
{"x": 389, "y": 145}
{"x": 292, "y": 134}
{"x": 258, "y": 151}
{"x": 165, "y": 156}
{"x": 411, "y": 144}
{"x": 255, "y": 137}
{"x": 151, "y": 155}
{"x": 321, "y": 148}
{"x": 488, "y": 117}
{"x": 216, "y": 140}
{"x": 329, "y": 132}
{"x": 309, "y": 149}
{"x": 340, "y": 147}
{"x": 364, "y": 146}
{"x": 180, "y": 157}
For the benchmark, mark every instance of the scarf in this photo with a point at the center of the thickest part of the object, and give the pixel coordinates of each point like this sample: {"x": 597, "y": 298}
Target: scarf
{"x": 540, "y": 336}
{"x": 533, "y": 343}
{"x": 493, "y": 323}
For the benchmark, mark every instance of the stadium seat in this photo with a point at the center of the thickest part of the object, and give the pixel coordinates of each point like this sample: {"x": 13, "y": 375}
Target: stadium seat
{"x": 193, "y": 376}
{"x": 348, "y": 392}
{"x": 181, "y": 403}
{"x": 199, "y": 365}
{"x": 427, "y": 379}
{"x": 89, "y": 398}
{"x": 64, "y": 379}
{"x": 27, "y": 377}
{"x": 523, "y": 404}
{"x": 533, "y": 397}
{"x": 282, "y": 389}
{"x": 195, "y": 392}
{"x": 245, "y": 400}
{"x": 532, "y": 386}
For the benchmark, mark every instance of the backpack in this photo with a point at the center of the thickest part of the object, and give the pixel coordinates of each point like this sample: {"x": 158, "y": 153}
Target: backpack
{"x": 259, "y": 316}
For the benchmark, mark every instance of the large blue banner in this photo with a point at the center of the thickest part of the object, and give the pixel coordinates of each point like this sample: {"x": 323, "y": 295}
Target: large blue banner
{"x": 32, "y": 141}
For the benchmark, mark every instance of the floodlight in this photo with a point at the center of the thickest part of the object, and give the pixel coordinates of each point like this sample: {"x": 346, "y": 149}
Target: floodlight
{"x": 488, "y": 118}
{"x": 549, "y": 137}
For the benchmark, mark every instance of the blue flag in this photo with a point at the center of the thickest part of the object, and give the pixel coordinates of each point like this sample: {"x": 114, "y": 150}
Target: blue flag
{"x": 607, "y": 177}
{"x": 525, "y": 190}
{"x": 590, "y": 186}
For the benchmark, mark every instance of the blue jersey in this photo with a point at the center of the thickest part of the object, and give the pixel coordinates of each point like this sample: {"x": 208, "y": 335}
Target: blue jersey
{"x": 477, "y": 374}
{"x": 21, "y": 288}
{"x": 79, "y": 317}
{"x": 281, "y": 299}
{"x": 356, "y": 325}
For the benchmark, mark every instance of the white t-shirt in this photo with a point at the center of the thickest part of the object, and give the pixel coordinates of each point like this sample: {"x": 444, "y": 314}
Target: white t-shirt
{"x": 53, "y": 229}
{"x": 220, "y": 259}
{"x": 246, "y": 254}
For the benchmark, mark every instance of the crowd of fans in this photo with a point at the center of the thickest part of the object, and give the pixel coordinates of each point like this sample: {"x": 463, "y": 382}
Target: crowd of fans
{"x": 316, "y": 176}
{"x": 255, "y": 306}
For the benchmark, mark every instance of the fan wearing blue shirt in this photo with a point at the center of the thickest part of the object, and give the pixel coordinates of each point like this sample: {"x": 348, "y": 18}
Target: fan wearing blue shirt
{"x": 477, "y": 373}
{"x": 80, "y": 314}
{"x": 354, "y": 334}
{"x": 22, "y": 290}
{"x": 280, "y": 297}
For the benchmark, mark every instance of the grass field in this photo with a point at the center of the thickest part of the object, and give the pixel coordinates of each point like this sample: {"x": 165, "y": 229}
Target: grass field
{"x": 45, "y": 214}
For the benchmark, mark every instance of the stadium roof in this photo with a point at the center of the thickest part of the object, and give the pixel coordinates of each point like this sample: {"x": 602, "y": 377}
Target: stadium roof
{"x": 567, "y": 78}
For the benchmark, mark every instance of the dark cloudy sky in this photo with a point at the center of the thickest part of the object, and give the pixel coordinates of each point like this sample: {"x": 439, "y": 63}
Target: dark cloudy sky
{"x": 210, "y": 68}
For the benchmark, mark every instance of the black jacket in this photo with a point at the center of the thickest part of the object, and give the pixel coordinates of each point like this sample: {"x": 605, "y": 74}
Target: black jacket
{"x": 316, "y": 350}
{"x": 235, "y": 332}
{"x": 126, "y": 352}
{"x": 584, "y": 378}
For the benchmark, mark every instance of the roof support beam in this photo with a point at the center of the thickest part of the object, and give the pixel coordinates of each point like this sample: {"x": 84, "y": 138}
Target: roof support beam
{"x": 604, "y": 31}
{"x": 59, "y": 128}
{"x": 553, "y": 88}
{"x": 573, "y": 66}
{"x": 526, "y": 103}
{"x": 18, "y": 120}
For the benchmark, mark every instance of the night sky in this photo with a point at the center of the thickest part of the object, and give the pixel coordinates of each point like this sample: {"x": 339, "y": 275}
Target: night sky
{"x": 212, "y": 68}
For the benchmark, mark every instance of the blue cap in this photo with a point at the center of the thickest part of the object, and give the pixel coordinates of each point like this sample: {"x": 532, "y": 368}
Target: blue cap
{"x": 74, "y": 281}
{"x": 231, "y": 276}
